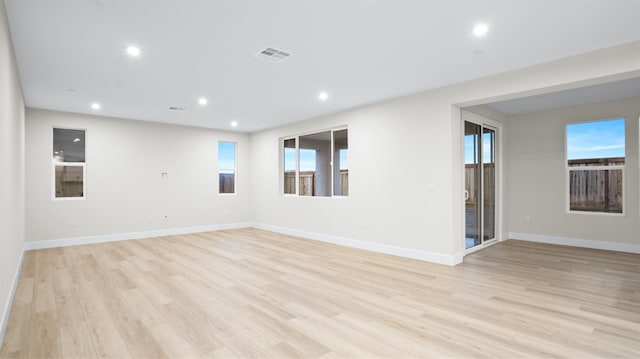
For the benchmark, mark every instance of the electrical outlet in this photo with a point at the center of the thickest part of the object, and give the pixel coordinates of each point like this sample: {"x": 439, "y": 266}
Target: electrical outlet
{"x": 150, "y": 217}
{"x": 72, "y": 222}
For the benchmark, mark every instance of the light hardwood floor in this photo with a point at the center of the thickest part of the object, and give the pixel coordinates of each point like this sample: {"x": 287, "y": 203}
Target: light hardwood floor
{"x": 250, "y": 293}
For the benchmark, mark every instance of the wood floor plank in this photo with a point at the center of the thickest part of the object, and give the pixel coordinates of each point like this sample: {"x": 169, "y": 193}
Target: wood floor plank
{"x": 69, "y": 309}
{"x": 294, "y": 339}
{"x": 24, "y": 291}
{"x": 172, "y": 343}
{"x": 76, "y": 341}
{"x": 28, "y": 265}
{"x": 143, "y": 307}
{"x": 199, "y": 334}
{"x": 44, "y": 297}
{"x": 285, "y": 350}
{"x": 104, "y": 334}
{"x": 251, "y": 293}
{"x": 17, "y": 338}
{"x": 44, "y": 337}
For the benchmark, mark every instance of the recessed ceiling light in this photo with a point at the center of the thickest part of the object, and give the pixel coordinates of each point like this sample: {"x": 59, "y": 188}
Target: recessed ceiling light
{"x": 76, "y": 139}
{"x": 133, "y": 51}
{"x": 95, "y": 106}
{"x": 234, "y": 123}
{"x": 323, "y": 96}
{"x": 202, "y": 101}
{"x": 480, "y": 30}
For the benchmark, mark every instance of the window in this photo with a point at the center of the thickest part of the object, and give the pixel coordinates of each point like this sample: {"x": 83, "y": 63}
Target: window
{"x": 227, "y": 167}
{"x": 290, "y": 166}
{"x": 68, "y": 163}
{"x": 340, "y": 166}
{"x": 316, "y": 164}
{"x": 310, "y": 173}
{"x": 595, "y": 166}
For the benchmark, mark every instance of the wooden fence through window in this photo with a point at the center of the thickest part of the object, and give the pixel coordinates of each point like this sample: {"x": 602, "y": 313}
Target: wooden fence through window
{"x": 227, "y": 183}
{"x": 470, "y": 174}
{"x": 589, "y": 190}
{"x": 308, "y": 183}
{"x": 596, "y": 189}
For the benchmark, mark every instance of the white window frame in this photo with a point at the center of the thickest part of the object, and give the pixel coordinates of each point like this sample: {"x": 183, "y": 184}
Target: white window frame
{"x": 568, "y": 169}
{"x": 297, "y": 148}
{"x": 234, "y": 169}
{"x": 55, "y": 163}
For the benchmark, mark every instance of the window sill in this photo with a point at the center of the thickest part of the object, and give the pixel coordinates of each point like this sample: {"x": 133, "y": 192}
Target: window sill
{"x": 594, "y": 213}
{"x": 69, "y": 198}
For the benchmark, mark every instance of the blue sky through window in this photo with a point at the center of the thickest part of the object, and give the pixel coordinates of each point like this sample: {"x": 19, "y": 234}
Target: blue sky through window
{"x": 601, "y": 139}
{"x": 289, "y": 159}
{"x": 307, "y": 160}
{"x": 470, "y": 155}
{"x": 343, "y": 159}
{"x": 226, "y": 156}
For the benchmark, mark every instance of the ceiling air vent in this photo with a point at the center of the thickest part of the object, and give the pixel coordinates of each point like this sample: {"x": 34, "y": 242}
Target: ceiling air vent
{"x": 272, "y": 54}
{"x": 176, "y": 108}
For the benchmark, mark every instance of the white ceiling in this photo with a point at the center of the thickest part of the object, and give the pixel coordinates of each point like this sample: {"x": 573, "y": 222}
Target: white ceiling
{"x": 71, "y": 53}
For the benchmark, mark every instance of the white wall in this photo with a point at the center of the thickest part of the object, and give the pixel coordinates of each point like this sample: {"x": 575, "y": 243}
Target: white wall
{"x": 124, "y": 186}
{"x": 536, "y": 167}
{"x": 405, "y": 158}
{"x": 12, "y": 190}
{"x": 405, "y": 164}
{"x": 390, "y": 152}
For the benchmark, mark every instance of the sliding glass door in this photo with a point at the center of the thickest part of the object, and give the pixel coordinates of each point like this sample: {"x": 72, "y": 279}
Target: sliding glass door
{"x": 480, "y": 183}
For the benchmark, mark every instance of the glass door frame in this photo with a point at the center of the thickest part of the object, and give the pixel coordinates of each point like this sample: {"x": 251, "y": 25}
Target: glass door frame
{"x": 484, "y": 122}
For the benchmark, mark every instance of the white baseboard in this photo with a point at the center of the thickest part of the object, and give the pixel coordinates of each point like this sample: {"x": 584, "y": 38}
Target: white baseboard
{"x": 12, "y": 292}
{"x": 347, "y": 242}
{"x": 577, "y": 242}
{"x": 65, "y": 242}
{"x": 369, "y": 246}
{"x": 457, "y": 258}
